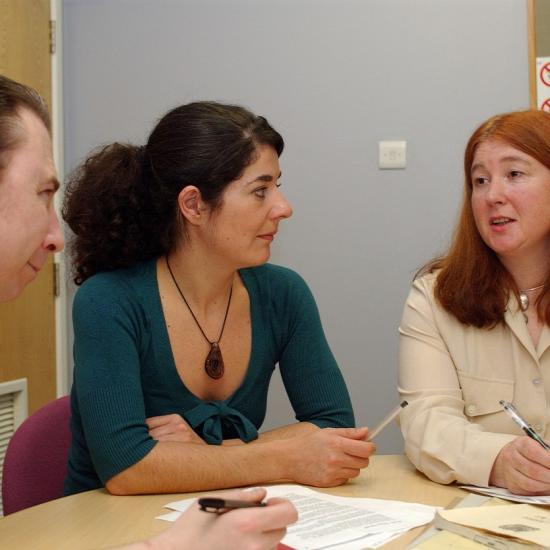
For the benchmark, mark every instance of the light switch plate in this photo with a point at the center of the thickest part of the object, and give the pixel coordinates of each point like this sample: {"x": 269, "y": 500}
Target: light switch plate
{"x": 392, "y": 154}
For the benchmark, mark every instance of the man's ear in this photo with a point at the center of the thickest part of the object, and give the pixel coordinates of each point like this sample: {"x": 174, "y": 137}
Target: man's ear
{"x": 191, "y": 205}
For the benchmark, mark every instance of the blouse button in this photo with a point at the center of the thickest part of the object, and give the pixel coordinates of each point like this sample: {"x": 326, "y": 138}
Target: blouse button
{"x": 471, "y": 409}
{"x": 537, "y": 381}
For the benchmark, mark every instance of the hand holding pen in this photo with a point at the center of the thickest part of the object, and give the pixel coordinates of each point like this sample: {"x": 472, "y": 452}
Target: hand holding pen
{"x": 254, "y": 524}
{"x": 220, "y": 505}
{"x": 523, "y": 465}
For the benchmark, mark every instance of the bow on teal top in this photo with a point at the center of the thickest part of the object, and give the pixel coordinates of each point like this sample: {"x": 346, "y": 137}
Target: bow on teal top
{"x": 214, "y": 415}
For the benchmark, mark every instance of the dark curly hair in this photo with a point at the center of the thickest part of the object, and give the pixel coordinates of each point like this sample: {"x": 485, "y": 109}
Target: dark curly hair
{"x": 121, "y": 203}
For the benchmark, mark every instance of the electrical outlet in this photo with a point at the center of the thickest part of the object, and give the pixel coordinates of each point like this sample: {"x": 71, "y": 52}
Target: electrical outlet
{"x": 392, "y": 154}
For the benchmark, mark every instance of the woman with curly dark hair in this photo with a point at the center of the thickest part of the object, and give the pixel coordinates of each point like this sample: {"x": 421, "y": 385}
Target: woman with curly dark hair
{"x": 179, "y": 321}
{"x": 30, "y": 231}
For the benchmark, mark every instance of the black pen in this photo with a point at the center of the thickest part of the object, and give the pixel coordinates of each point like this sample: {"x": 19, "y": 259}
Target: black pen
{"x": 523, "y": 424}
{"x": 220, "y": 505}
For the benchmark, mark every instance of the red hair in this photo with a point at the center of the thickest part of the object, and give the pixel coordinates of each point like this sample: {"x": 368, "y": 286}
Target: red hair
{"x": 472, "y": 284}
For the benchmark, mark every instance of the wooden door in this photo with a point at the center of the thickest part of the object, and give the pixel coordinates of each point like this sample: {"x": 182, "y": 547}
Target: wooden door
{"x": 27, "y": 325}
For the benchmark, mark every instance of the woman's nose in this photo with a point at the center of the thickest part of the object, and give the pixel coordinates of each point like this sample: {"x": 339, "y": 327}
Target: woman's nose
{"x": 497, "y": 191}
{"x": 282, "y": 208}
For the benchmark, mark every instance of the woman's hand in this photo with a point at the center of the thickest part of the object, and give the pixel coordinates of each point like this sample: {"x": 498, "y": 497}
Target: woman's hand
{"x": 522, "y": 467}
{"x": 328, "y": 457}
{"x": 242, "y": 529}
{"x": 172, "y": 427}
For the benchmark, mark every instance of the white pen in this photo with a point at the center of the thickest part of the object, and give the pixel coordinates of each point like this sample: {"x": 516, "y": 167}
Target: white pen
{"x": 391, "y": 416}
{"x": 515, "y": 416}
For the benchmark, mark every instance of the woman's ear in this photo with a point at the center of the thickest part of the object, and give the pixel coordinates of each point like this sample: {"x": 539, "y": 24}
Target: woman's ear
{"x": 191, "y": 205}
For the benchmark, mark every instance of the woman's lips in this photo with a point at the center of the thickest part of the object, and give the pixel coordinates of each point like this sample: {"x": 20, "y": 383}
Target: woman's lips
{"x": 500, "y": 223}
{"x": 267, "y": 236}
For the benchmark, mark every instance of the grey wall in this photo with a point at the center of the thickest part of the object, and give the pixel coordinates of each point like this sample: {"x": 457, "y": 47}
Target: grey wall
{"x": 335, "y": 77}
{"x": 542, "y": 28}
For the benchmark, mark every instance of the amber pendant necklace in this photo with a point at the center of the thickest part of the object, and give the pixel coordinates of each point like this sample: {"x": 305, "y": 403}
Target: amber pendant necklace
{"x": 213, "y": 364}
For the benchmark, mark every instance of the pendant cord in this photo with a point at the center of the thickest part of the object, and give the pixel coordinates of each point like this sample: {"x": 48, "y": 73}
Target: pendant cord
{"x": 531, "y": 289}
{"x": 191, "y": 311}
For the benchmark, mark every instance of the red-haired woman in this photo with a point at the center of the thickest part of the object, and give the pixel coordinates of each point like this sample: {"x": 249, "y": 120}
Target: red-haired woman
{"x": 476, "y": 324}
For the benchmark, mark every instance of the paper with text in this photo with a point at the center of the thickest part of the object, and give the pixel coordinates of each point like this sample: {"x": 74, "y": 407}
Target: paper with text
{"x": 327, "y": 521}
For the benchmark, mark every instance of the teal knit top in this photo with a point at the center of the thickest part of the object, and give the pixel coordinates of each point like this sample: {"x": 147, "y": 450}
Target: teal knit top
{"x": 125, "y": 371}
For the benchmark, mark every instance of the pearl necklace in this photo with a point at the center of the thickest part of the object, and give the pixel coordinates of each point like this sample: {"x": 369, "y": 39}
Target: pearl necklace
{"x": 524, "y": 299}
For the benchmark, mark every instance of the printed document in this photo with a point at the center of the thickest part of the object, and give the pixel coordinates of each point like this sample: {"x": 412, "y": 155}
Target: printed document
{"x": 327, "y": 521}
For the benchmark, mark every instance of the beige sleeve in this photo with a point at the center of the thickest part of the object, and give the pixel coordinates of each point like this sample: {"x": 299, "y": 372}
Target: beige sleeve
{"x": 439, "y": 440}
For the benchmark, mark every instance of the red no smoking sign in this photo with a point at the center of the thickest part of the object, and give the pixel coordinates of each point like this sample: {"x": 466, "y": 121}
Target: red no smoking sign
{"x": 543, "y": 83}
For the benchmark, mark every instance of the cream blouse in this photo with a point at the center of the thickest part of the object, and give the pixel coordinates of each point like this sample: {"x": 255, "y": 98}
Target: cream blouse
{"x": 453, "y": 377}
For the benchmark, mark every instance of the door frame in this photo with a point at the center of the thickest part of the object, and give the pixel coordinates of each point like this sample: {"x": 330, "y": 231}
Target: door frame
{"x": 60, "y": 258}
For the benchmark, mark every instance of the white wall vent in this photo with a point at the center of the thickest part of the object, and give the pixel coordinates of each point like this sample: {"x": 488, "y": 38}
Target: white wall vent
{"x": 13, "y": 410}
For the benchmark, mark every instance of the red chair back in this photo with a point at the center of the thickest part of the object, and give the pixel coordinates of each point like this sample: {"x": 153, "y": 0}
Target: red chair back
{"x": 35, "y": 463}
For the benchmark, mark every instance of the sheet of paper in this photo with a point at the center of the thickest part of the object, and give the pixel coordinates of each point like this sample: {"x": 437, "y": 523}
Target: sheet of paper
{"x": 506, "y": 495}
{"x": 339, "y": 522}
{"x": 449, "y": 541}
{"x": 520, "y": 521}
{"x": 432, "y": 532}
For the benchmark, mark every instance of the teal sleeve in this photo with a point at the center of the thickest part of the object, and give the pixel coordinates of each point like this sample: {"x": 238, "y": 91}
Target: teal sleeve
{"x": 108, "y": 336}
{"x": 312, "y": 379}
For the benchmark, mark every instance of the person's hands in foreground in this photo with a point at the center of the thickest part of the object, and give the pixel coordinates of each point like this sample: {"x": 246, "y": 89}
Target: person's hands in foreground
{"x": 258, "y": 528}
